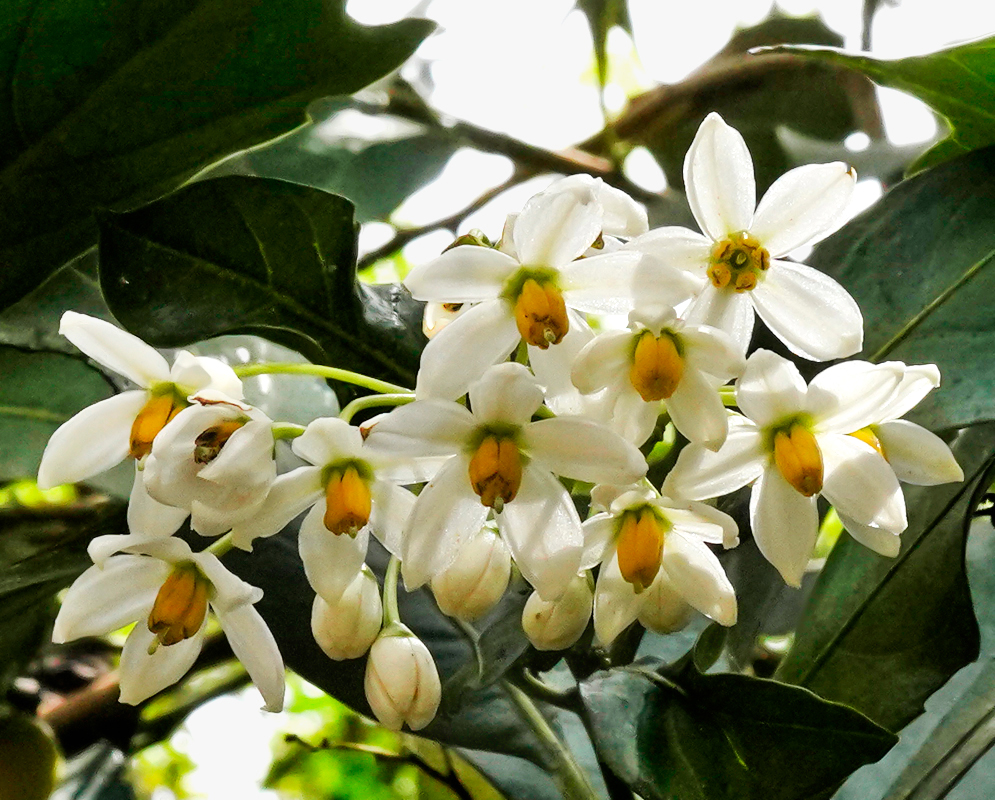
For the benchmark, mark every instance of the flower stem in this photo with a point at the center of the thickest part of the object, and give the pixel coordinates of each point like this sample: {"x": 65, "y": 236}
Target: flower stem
{"x": 318, "y": 371}
{"x": 373, "y": 401}
{"x": 287, "y": 430}
{"x": 221, "y": 546}
{"x": 572, "y": 778}
{"x": 728, "y": 395}
{"x": 391, "y": 616}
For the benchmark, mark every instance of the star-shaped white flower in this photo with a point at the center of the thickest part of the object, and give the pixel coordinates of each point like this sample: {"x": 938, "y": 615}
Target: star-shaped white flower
{"x": 794, "y": 444}
{"x": 743, "y": 243}
{"x": 166, "y": 589}
{"x": 497, "y": 459}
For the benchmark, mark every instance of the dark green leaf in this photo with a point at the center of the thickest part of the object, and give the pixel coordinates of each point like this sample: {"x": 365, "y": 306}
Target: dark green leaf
{"x": 689, "y": 736}
{"x": 919, "y": 264}
{"x": 109, "y": 103}
{"x": 958, "y": 83}
{"x": 260, "y": 256}
{"x": 883, "y": 634}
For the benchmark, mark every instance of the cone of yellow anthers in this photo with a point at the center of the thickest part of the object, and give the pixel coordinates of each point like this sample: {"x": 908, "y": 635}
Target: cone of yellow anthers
{"x": 640, "y": 547}
{"x": 798, "y": 458}
{"x": 540, "y": 314}
{"x": 180, "y": 606}
{"x": 347, "y": 501}
{"x": 496, "y": 471}
{"x": 657, "y": 366}
{"x": 208, "y": 444}
{"x": 868, "y": 436}
{"x": 158, "y": 411}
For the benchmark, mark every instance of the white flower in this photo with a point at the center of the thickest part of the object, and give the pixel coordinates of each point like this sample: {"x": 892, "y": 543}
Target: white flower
{"x": 497, "y": 459}
{"x": 743, "y": 242}
{"x": 471, "y": 586}
{"x": 794, "y": 444}
{"x": 166, "y": 589}
{"x": 402, "y": 682}
{"x": 214, "y": 459}
{"x": 559, "y": 624}
{"x": 104, "y": 434}
{"x": 661, "y": 358}
{"x": 656, "y": 562}
{"x": 519, "y": 297}
{"x": 347, "y": 626}
{"x": 348, "y": 497}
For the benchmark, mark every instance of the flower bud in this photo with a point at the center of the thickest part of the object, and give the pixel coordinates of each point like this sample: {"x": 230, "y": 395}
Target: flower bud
{"x": 348, "y": 627}
{"x": 664, "y": 610}
{"x": 557, "y": 624}
{"x": 402, "y": 682}
{"x": 476, "y": 580}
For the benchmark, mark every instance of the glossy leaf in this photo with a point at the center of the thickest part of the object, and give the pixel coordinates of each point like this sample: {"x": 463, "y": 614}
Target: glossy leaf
{"x": 708, "y": 737}
{"x": 110, "y": 103}
{"x": 883, "y": 634}
{"x": 920, "y": 265}
{"x": 260, "y": 256}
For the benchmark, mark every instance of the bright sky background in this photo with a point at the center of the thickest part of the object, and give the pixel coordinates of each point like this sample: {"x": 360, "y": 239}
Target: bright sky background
{"x": 525, "y": 67}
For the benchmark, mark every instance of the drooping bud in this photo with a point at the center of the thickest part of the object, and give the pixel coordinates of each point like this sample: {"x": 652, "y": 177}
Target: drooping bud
{"x": 158, "y": 411}
{"x": 496, "y": 471}
{"x": 867, "y": 436}
{"x": 798, "y": 458}
{"x": 657, "y": 366}
{"x": 402, "y": 682}
{"x": 180, "y": 606}
{"x": 541, "y": 314}
{"x": 640, "y": 547}
{"x": 470, "y": 586}
{"x": 348, "y": 627}
{"x": 558, "y": 624}
{"x": 209, "y": 442}
{"x": 347, "y": 501}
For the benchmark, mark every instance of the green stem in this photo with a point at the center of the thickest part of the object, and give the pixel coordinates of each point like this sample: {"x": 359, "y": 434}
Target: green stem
{"x": 318, "y": 371}
{"x": 287, "y": 430}
{"x": 391, "y": 616}
{"x": 221, "y": 546}
{"x": 374, "y": 400}
{"x": 573, "y": 779}
{"x": 728, "y": 395}
{"x": 32, "y": 413}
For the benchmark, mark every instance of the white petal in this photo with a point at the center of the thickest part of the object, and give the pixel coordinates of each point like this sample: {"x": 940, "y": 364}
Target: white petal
{"x": 616, "y": 605}
{"x": 693, "y": 523}
{"x": 718, "y": 179}
{"x": 94, "y": 440}
{"x": 465, "y": 274}
{"x": 582, "y": 449}
{"x": 445, "y": 513}
{"x": 228, "y": 591}
{"x": 102, "y": 600}
{"x": 328, "y": 439}
{"x": 148, "y": 518}
{"x": 193, "y": 374}
{"x": 254, "y": 646}
{"x": 804, "y": 205}
{"x": 730, "y": 312}
{"x": 554, "y": 229}
{"x": 143, "y": 675}
{"x": 506, "y": 393}
{"x": 700, "y": 474}
{"x": 730, "y": 530}
{"x": 881, "y": 541}
{"x": 664, "y": 610}
{"x": 543, "y": 532}
{"x": 621, "y": 215}
{"x": 656, "y": 282}
{"x": 698, "y": 411}
{"x": 331, "y": 561}
{"x": 917, "y": 455}
{"x": 461, "y": 352}
{"x": 917, "y": 381}
{"x": 604, "y": 361}
{"x": 785, "y": 525}
{"x": 632, "y": 417}
{"x": 290, "y": 494}
{"x": 713, "y": 351}
{"x": 847, "y": 397}
{"x": 770, "y": 388}
{"x": 673, "y": 248}
{"x": 391, "y": 509}
{"x": 115, "y": 349}
{"x": 431, "y": 428}
{"x": 600, "y": 284}
{"x": 811, "y": 313}
{"x": 599, "y": 536}
{"x": 552, "y": 368}
{"x": 699, "y": 577}
{"x": 859, "y": 482}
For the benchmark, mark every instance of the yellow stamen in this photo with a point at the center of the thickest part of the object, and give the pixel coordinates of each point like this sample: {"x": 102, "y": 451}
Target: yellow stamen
{"x": 347, "y": 502}
{"x": 208, "y": 444}
{"x": 739, "y": 262}
{"x": 867, "y": 436}
{"x": 640, "y": 547}
{"x": 798, "y": 458}
{"x": 496, "y": 471}
{"x": 540, "y": 314}
{"x": 180, "y": 606}
{"x": 159, "y": 410}
{"x": 657, "y": 366}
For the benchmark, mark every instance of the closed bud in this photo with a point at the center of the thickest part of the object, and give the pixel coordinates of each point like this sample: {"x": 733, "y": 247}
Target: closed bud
{"x": 348, "y": 627}
{"x": 476, "y": 580}
{"x": 557, "y": 624}
{"x": 402, "y": 683}
{"x": 664, "y": 610}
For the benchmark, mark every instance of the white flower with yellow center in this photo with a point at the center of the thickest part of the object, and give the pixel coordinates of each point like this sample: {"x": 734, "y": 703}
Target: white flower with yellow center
{"x": 662, "y": 358}
{"x": 498, "y": 460}
{"x": 349, "y": 498}
{"x": 743, "y": 244}
{"x": 654, "y": 548}
{"x": 794, "y": 444}
{"x": 166, "y": 589}
{"x": 521, "y": 297}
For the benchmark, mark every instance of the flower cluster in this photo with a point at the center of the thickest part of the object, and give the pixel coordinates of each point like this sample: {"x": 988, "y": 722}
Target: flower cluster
{"x": 529, "y": 396}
